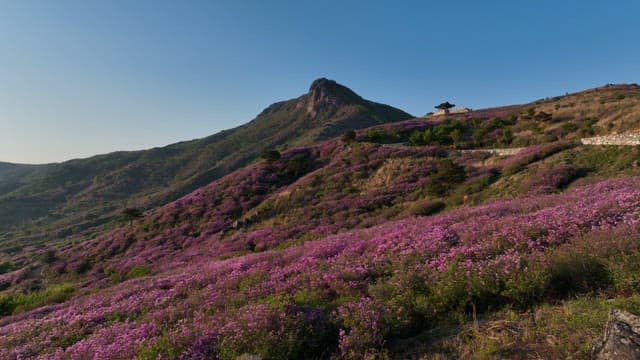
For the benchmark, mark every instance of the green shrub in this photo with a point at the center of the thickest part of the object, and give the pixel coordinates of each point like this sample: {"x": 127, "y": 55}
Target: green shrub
{"x": 478, "y": 135}
{"x": 382, "y": 136}
{"x": 426, "y": 208}
{"x": 49, "y": 257}
{"x": 543, "y": 116}
{"x": 130, "y": 214}
{"x": 14, "y": 303}
{"x": 349, "y": 136}
{"x": 416, "y": 138}
{"x": 458, "y": 291}
{"x": 270, "y": 155}
{"x": 472, "y": 186}
{"x": 6, "y": 305}
{"x": 7, "y": 266}
{"x": 138, "y": 271}
{"x": 569, "y": 127}
{"x": 296, "y": 166}
{"x": 450, "y": 132}
{"x": 277, "y": 331}
{"x": 574, "y": 273}
{"x": 82, "y": 267}
{"x": 506, "y": 138}
{"x": 447, "y": 175}
{"x": 526, "y": 286}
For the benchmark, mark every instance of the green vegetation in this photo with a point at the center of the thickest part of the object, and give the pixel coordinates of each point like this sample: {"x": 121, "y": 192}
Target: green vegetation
{"x": 349, "y": 136}
{"x": 270, "y": 155}
{"x": 49, "y": 256}
{"x": 426, "y": 208}
{"x": 448, "y": 174}
{"x": 7, "y": 266}
{"x": 15, "y": 303}
{"x": 138, "y": 271}
{"x": 165, "y": 347}
{"x": 131, "y": 214}
{"x": 444, "y": 134}
{"x": 563, "y": 330}
{"x": 382, "y": 136}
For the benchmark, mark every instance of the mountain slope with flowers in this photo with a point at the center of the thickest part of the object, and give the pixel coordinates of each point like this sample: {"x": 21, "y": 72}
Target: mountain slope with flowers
{"x": 398, "y": 241}
{"x": 83, "y": 197}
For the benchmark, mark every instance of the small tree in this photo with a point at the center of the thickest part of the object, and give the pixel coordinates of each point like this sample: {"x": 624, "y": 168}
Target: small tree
{"x": 374, "y": 135}
{"x": 507, "y": 137}
{"x": 49, "y": 256}
{"x": 270, "y": 155}
{"x": 478, "y": 135}
{"x": 416, "y": 138}
{"x": 456, "y": 136}
{"x": 445, "y": 106}
{"x": 447, "y": 175}
{"x": 349, "y": 136}
{"x": 131, "y": 214}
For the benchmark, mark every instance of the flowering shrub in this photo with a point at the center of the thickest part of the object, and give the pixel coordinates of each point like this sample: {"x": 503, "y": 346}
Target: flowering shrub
{"x": 364, "y": 337}
{"x": 551, "y": 179}
{"x": 276, "y": 331}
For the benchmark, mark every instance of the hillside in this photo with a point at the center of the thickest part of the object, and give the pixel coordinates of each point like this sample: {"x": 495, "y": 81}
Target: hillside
{"x": 410, "y": 240}
{"x": 80, "y": 197}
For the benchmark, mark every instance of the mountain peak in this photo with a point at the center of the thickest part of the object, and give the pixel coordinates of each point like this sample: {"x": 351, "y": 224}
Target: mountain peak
{"x": 324, "y": 92}
{"x": 322, "y": 84}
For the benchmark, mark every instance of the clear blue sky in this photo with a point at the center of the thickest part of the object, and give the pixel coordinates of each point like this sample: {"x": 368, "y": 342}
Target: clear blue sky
{"x": 79, "y": 78}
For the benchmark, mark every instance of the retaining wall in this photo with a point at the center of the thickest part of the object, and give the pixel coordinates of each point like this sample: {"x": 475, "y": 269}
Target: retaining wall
{"x": 622, "y": 139}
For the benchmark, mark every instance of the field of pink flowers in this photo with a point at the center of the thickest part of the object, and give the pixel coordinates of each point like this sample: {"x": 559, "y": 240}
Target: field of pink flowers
{"x": 326, "y": 196}
{"x": 350, "y": 294}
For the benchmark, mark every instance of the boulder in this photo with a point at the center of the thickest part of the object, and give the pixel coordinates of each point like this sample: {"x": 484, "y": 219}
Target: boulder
{"x": 621, "y": 337}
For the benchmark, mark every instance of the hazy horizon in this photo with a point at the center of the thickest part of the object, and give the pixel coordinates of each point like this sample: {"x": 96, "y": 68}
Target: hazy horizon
{"x": 80, "y": 79}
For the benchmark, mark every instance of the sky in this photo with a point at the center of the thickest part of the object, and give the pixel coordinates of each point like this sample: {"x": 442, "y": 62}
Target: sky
{"x": 79, "y": 78}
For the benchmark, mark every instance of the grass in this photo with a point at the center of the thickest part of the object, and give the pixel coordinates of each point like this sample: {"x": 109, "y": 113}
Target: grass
{"x": 20, "y": 302}
{"x": 584, "y": 279}
{"x": 567, "y": 330}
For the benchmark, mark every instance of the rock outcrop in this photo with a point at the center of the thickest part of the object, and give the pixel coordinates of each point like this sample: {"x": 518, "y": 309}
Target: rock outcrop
{"x": 621, "y": 338}
{"x": 324, "y": 93}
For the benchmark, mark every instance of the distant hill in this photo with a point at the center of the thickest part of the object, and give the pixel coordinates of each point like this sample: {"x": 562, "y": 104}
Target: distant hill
{"x": 59, "y": 200}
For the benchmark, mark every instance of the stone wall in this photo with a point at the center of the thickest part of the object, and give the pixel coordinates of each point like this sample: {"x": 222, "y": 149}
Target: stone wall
{"x": 498, "y": 152}
{"x": 460, "y": 110}
{"x": 622, "y": 139}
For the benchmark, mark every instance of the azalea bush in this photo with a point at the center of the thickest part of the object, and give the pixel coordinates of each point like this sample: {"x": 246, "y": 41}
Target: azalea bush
{"x": 281, "y": 331}
{"x": 551, "y": 179}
